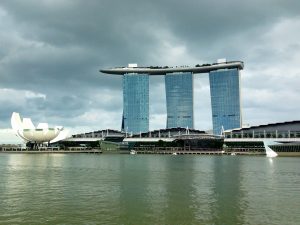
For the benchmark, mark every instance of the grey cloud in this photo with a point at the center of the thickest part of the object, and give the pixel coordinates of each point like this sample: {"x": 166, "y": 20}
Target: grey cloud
{"x": 56, "y": 48}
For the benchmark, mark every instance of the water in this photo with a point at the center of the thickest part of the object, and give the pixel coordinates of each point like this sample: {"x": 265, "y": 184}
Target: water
{"x": 148, "y": 189}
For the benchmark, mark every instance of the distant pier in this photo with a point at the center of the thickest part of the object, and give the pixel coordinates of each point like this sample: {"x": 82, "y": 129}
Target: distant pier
{"x": 181, "y": 151}
{"x": 198, "y": 153}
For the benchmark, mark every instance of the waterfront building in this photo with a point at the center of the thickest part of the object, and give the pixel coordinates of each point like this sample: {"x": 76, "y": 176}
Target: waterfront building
{"x": 155, "y": 141}
{"x": 42, "y": 133}
{"x": 287, "y": 129}
{"x": 225, "y": 94}
{"x": 135, "y": 103}
{"x": 282, "y": 137}
{"x": 176, "y": 139}
{"x": 225, "y": 99}
{"x": 179, "y": 98}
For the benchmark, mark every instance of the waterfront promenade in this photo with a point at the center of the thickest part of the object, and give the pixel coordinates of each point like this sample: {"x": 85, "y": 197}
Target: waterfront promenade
{"x": 48, "y": 150}
{"x": 160, "y": 152}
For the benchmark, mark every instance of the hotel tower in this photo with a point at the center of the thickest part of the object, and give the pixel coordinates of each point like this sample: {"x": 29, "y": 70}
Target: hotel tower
{"x": 224, "y": 79}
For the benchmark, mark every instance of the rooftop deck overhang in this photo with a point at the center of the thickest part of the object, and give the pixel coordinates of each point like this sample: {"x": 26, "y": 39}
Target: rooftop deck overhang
{"x": 165, "y": 70}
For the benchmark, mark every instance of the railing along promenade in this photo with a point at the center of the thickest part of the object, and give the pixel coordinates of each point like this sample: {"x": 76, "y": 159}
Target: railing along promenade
{"x": 167, "y": 139}
{"x": 261, "y": 139}
{"x": 260, "y": 136}
{"x": 126, "y": 139}
{"x": 187, "y": 150}
{"x": 15, "y": 149}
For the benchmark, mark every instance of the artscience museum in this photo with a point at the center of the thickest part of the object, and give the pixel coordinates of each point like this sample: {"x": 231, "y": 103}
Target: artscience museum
{"x": 42, "y": 133}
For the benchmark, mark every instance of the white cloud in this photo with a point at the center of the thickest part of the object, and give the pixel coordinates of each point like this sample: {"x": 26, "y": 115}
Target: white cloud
{"x": 19, "y": 96}
{"x": 171, "y": 50}
{"x": 31, "y": 94}
{"x": 270, "y": 81}
{"x": 55, "y": 47}
{"x": 7, "y": 136}
{"x": 202, "y": 103}
{"x": 98, "y": 120}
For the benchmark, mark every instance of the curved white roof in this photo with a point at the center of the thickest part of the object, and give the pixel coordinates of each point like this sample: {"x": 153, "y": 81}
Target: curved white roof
{"x": 63, "y": 134}
{"x": 40, "y": 135}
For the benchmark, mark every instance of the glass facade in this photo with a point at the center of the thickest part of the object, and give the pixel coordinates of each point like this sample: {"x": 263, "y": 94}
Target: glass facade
{"x": 225, "y": 99}
{"x": 179, "y": 97}
{"x": 135, "y": 103}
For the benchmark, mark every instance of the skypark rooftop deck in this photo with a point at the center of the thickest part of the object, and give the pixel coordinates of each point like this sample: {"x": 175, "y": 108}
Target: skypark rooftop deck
{"x": 205, "y": 68}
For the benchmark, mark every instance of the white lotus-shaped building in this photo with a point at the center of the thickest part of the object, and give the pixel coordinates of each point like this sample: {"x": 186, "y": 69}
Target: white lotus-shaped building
{"x": 25, "y": 129}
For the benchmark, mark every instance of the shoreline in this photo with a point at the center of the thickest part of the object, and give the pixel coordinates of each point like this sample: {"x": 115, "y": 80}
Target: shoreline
{"x": 98, "y": 151}
{"x": 219, "y": 153}
{"x": 52, "y": 152}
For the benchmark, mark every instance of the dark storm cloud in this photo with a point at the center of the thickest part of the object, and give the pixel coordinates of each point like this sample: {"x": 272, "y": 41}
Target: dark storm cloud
{"x": 54, "y": 49}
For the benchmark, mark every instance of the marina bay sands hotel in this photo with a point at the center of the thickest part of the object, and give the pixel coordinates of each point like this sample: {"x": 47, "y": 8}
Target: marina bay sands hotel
{"x": 224, "y": 79}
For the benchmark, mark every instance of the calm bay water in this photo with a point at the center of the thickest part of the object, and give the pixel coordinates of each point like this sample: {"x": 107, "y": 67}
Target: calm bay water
{"x": 148, "y": 189}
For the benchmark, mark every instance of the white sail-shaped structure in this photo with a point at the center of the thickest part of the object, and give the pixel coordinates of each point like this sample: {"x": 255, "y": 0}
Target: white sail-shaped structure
{"x": 269, "y": 152}
{"x": 27, "y": 124}
{"x": 17, "y": 125}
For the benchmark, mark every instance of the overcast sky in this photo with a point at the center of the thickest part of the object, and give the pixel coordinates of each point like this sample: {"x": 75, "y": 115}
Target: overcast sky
{"x": 51, "y": 52}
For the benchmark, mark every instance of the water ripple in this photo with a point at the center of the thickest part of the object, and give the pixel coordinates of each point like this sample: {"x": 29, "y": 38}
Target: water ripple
{"x": 148, "y": 189}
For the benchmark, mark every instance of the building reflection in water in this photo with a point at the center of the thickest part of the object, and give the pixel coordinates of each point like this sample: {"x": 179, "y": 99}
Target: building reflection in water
{"x": 180, "y": 197}
{"x": 148, "y": 189}
{"x": 134, "y": 202}
{"x": 228, "y": 203}
{"x": 158, "y": 189}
